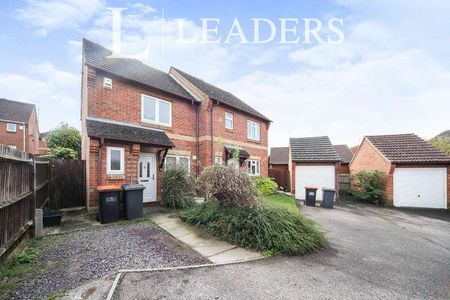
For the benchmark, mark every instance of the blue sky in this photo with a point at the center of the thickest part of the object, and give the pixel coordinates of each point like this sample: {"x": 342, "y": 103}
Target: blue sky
{"x": 390, "y": 75}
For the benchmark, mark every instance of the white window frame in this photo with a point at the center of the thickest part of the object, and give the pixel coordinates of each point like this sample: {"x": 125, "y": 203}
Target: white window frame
{"x": 257, "y": 163}
{"x": 12, "y": 147}
{"x": 157, "y": 101}
{"x": 107, "y": 83}
{"x": 8, "y": 129}
{"x": 108, "y": 161}
{"x": 257, "y": 127}
{"x": 229, "y": 117}
{"x": 177, "y": 161}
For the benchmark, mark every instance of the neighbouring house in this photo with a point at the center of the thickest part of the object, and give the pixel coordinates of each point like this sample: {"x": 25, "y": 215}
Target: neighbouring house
{"x": 43, "y": 148}
{"x": 313, "y": 161}
{"x": 138, "y": 121}
{"x": 417, "y": 174}
{"x": 19, "y": 126}
{"x": 354, "y": 149}
{"x": 346, "y": 155}
{"x": 279, "y": 166}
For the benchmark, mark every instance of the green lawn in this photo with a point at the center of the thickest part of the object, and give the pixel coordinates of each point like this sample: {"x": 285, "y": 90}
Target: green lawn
{"x": 282, "y": 200}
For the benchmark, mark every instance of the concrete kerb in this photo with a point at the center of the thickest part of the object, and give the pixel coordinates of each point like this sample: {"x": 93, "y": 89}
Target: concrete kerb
{"x": 124, "y": 271}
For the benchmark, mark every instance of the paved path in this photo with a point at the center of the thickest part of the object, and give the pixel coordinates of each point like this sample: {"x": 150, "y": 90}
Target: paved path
{"x": 209, "y": 247}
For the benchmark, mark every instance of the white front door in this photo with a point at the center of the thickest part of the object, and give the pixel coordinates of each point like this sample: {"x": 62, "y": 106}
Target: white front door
{"x": 420, "y": 187}
{"x": 147, "y": 175}
{"x": 318, "y": 176}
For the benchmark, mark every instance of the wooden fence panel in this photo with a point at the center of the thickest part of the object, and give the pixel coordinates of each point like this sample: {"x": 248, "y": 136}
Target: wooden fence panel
{"x": 344, "y": 182}
{"x": 281, "y": 177}
{"x": 24, "y": 186}
{"x": 67, "y": 187}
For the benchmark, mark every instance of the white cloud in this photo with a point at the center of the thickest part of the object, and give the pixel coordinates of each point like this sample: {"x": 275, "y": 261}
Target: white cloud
{"x": 140, "y": 31}
{"x": 55, "y": 92}
{"x": 50, "y": 15}
{"x": 400, "y": 93}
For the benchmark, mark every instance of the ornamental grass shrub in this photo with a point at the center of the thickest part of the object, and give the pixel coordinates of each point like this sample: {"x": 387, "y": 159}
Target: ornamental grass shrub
{"x": 178, "y": 189}
{"x": 369, "y": 186}
{"x": 263, "y": 227}
{"x": 228, "y": 185}
{"x": 266, "y": 186}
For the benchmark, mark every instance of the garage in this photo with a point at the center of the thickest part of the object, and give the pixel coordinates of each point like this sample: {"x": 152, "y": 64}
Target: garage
{"x": 314, "y": 162}
{"x": 417, "y": 174}
{"x": 420, "y": 187}
{"x": 319, "y": 176}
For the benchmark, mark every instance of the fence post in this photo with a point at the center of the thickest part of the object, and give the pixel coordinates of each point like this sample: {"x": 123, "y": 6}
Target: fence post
{"x": 33, "y": 192}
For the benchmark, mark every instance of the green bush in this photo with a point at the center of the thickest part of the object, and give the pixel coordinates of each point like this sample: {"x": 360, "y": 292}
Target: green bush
{"x": 266, "y": 186}
{"x": 65, "y": 136}
{"x": 178, "y": 188}
{"x": 264, "y": 227}
{"x": 369, "y": 186}
{"x": 228, "y": 185}
{"x": 63, "y": 153}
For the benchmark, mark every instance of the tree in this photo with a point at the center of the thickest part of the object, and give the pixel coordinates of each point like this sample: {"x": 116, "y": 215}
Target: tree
{"x": 442, "y": 144}
{"x": 64, "y": 142}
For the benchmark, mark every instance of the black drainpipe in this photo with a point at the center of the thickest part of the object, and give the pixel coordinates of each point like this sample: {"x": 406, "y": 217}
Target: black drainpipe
{"x": 99, "y": 167}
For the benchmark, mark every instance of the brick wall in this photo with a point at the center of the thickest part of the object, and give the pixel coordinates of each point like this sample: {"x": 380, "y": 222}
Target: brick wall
{"x": 344, "y": 168}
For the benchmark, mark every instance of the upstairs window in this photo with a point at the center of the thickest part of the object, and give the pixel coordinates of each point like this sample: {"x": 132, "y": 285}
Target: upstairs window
{"x": 115, "y": 160}
{"x": 11, "y": 127}
{"x": 228, "y": 120}
{"x": 253, "y": 130}
{"x": 156, "y": 111}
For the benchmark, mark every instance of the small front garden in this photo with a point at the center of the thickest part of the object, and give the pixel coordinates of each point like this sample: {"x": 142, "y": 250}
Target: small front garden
{"x": 245, "y": 212}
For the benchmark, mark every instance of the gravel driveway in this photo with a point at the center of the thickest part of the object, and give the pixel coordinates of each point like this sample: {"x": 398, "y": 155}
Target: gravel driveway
{"x": 373, "y": 252}
{"x": 71, "y": 259}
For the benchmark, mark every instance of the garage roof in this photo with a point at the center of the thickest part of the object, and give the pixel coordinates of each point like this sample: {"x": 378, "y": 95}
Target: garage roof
{"x": 313, "y": 149}
{"x": 407, "y": 148}
{"x": 279, "y": 155}
{"x": 344, "y": 153}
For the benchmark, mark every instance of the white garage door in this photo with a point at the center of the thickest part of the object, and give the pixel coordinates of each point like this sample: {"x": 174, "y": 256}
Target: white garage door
{"x": 319, "y": 176}
{"x": 420, "y": 187}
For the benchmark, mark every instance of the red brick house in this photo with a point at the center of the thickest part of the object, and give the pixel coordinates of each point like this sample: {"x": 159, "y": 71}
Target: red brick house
{"x": 137, "y": 121}
{"x": 418, "y": 174}
{"x": 313, "y": 161}
{"x": 19, "y": 126}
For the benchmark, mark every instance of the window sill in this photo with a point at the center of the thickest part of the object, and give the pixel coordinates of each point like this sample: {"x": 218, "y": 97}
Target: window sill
{"x": 115, "y": 176}
{"x": 254, "y": 141}
{"x": 229, "y": 130}
{"x": 155, "y": 125}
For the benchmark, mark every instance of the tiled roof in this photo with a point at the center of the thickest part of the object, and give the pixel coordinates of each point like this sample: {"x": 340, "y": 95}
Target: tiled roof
{"x": 407, "y": 148}
{"x": 279, "y": 155}
{"x": 96, "y": 55}
{"x": 344, "y": 153}
{"x": 15, "y": 111}
{"x": 102, "y": 128}
{"x": 313, "y": 149}
{"x": 221, "y": 95}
